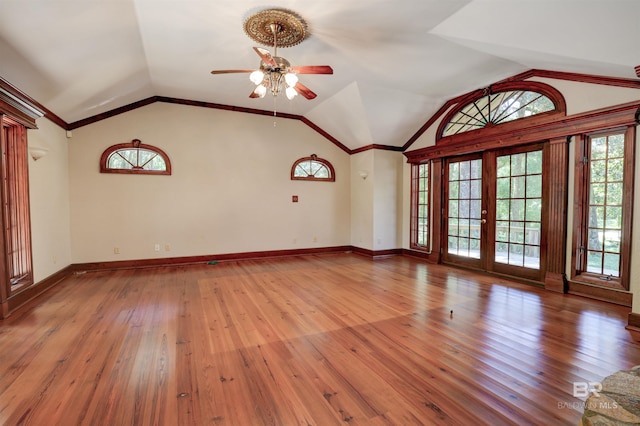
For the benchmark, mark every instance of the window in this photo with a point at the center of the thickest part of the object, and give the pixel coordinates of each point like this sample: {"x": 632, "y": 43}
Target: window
{"x": 15, "y": 201}
{"x": 312, "y": 168}
{"x": 135, "y": 158}
{"x": 603, "y": 209}
{"x": 500, "y": 104}
{"x": 498, "y": 108}
{"x": 420, "y": 206}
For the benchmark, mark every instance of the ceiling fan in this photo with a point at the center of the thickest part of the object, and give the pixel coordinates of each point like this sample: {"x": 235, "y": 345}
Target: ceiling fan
{"x": 276, "y": 74}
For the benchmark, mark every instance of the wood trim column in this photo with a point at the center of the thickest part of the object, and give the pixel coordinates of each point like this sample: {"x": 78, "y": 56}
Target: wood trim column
{"x": 634, "y": 325}
{"x": 558, "y": 186}
{"x": 4, "y": 278}
{"x": 435, "y": 254}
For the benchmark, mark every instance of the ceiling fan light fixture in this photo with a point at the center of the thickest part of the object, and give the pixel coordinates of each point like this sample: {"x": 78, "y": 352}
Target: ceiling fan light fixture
{"x": 260, "y": 91}
{"x": 256, "y": 77}
{"x": 291, "y": 92}
{"x": 279, "y": 28}
{"x": 291, "y": 79}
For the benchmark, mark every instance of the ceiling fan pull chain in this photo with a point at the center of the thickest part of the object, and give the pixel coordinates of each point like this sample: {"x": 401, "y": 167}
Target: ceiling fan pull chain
{"x": 274, "y": 111}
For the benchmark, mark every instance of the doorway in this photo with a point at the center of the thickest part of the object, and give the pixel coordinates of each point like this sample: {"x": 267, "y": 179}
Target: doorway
{"x": 494, "y": 204}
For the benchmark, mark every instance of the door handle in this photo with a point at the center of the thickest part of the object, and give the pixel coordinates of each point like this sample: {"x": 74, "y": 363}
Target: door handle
{"x": 483, "y": 221}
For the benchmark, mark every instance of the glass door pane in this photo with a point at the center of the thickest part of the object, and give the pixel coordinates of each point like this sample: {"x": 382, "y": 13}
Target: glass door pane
{"x": 604, "y": 227}
{"x": 518, "y": 209}
{"x": 464, "y": 208}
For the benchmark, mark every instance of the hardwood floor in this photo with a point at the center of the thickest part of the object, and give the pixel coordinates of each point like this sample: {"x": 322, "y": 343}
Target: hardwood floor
{"x": 325, "y": 339}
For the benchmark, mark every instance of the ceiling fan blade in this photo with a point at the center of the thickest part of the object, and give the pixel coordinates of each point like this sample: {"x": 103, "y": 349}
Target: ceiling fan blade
{"x": 313, "y": 69}
{"x": 229, "y": 71}
{"x": 265, "y": 56}
{"x": 304, "y": 91}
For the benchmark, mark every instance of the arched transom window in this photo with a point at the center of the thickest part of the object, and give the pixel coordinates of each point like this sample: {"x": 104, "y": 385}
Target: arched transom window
{"x": 312, "y": 168}
{"x": 136, "y": 158}
{"x": 494, "y": 108}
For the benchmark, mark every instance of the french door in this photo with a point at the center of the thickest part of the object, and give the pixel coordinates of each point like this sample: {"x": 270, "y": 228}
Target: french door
{"x": 494, "y": 211}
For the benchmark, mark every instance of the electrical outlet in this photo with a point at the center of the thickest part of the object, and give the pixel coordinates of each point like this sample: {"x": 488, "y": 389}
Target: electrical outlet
{"x": 315, "y": 239}
{"x": 116, "y": 250}
{"x": 157, "y": 247}
{"x": 167, "y": 247}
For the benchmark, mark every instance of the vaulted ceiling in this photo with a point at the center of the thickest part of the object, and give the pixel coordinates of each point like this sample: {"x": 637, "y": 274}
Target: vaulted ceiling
{"x": 395, "y": 62}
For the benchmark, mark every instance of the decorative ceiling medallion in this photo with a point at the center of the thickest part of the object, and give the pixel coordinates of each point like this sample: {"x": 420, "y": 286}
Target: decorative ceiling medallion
{"x": 291, "y": 28}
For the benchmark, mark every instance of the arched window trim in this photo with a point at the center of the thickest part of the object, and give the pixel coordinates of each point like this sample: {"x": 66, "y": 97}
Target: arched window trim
{"x": 314, "y": 157}
{"x": 136, "y": 143}
{"x": 532, "y": 86}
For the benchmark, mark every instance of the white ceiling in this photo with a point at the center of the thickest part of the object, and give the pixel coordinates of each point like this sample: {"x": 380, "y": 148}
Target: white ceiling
{"x": 395, "y": 61}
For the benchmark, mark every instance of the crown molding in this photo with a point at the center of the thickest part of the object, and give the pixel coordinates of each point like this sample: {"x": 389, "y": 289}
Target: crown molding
{"x": 629, "y": 83}
{"x": 18, "y": 105}
{"x": 28, "y": 107}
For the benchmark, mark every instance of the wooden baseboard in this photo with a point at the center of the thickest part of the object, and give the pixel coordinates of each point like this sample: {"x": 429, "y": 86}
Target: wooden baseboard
{"x": 554, "y": 281}
{"x": 192, "y": 260}
{"x": 634, "y": 324}
{"x": 17, "y": 300}
{"x": 376, "y": 254}
{"x": 610, "y": 295}
{"x": 430, "y": 257}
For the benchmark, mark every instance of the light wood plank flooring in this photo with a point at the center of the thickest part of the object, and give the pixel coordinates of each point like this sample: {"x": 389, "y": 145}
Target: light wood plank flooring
{"x": 322, "y": 340}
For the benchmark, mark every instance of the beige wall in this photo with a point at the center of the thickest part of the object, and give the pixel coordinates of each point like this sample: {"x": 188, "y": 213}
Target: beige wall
{"x": 49, "y": 198}
{"x": 230, "y": 190}
{"x": 376, "y": 201}
{"x": 362, "y": 199}
{"x": 387, "y": 207}
{"x": 583, "y": 97}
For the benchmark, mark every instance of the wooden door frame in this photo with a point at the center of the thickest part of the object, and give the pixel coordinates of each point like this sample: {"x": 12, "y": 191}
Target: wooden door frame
{"x": 450, "y": 258}
{"x": 537, "y": 275}
{"x": 486, "y": 262}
